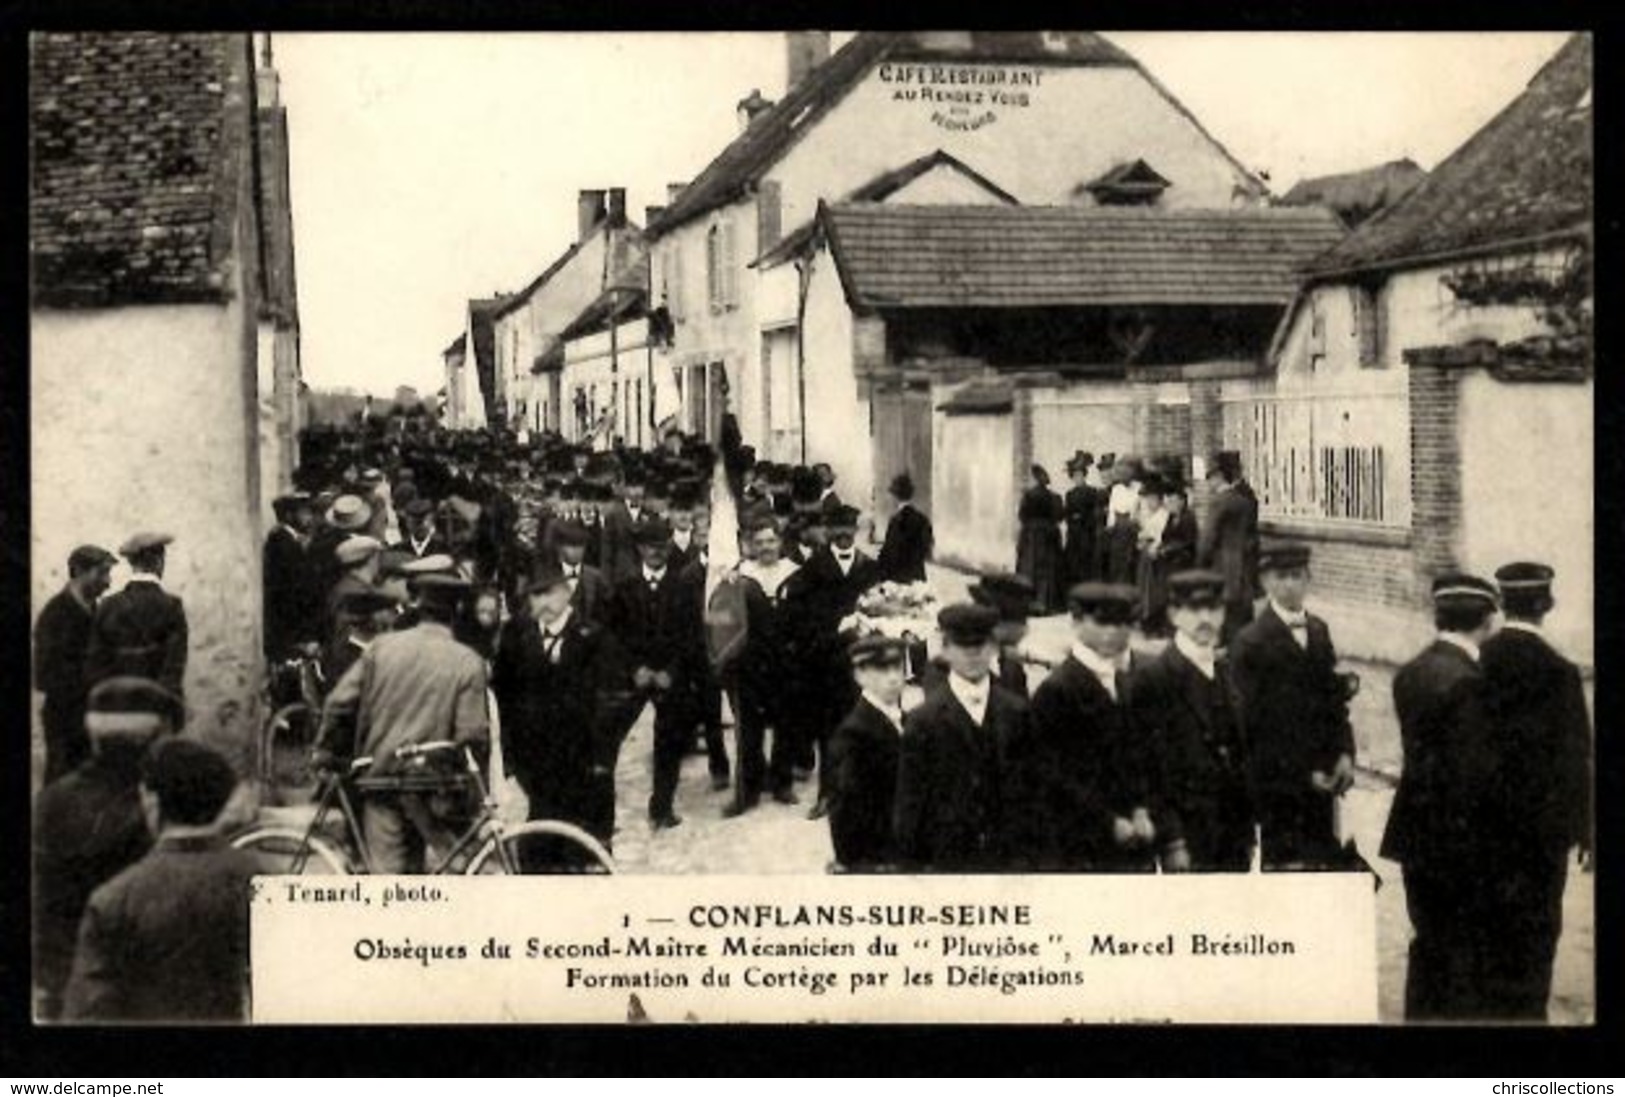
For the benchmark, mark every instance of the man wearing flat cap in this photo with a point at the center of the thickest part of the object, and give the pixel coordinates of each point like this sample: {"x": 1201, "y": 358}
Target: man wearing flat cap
{"x": 955, "y": 809}
{"x": 1085, "y": 773}
{"x": 358, "y": 557}
{"x": 1535, "y": 701}
{"x": 88, "y": 827}
{"x": 1443, "y": 825}
{"x": 141, "y": 630}
{"x": 1182, "y": 696}
{"x": 862, "y": 758}
{"x": 1294, "y": 709}
{"x": 61, "y": 642}
{"x": 552, "y": 679}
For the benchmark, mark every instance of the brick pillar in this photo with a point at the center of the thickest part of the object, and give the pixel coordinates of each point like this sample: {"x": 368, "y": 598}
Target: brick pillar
{"x": 1435, "y": 471}
{"x": 1206, "y": 439}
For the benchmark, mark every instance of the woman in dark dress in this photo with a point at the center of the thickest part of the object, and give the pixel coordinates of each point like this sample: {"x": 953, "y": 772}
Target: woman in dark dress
{"x": 1083, "y": 521}
{"x": 1038, "y": 552}
{"x": 1121, "y": 550}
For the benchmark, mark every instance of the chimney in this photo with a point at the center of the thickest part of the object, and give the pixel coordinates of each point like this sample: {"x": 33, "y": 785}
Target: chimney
{"x": 674, "y": 191}
{"x": 589, "y": 211}
{"x": 806, "y": 50}
{"x": 651, "y": 214}
{"x": 750, "y": 107}
{"x": 615, "y": 208}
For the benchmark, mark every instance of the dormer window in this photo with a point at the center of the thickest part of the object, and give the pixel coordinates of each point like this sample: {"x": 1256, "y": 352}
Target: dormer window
{"x": 1133, "y": 183}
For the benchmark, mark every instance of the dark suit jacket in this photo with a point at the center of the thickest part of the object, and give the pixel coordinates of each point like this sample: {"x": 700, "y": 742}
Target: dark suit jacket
{"x": 1201, "y": 754}
{"x": 167, "y": 939}
{"x": 863, "y": 787}
{"x": 1080, "y": 766}
{"x": 1226, "y": 542}
{"x": 907, "y": 546}
{"x": 619, "y": 555}
{"x": 815, "y": 599}
{"x": 141, "y": 630}
{"x": 552, "y": 713}
{"x": 1009, "y": 673}
{"x": 954, "y": 809}
{"x": 648, "y": 625}
{"x": 1179, "y": 542}
{"x": 1444, "y": 809}
{"x": 593, "y": 594}
{"x": 290, "y": 593}
{"x": 61, "y": 639}
{"x": 1292, "y": 705}
{"x": 1535, "y": 702}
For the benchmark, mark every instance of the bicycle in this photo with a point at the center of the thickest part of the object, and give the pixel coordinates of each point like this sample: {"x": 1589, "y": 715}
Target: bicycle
{"x": 487, "y": 846}
{"x": 293, "y": 696}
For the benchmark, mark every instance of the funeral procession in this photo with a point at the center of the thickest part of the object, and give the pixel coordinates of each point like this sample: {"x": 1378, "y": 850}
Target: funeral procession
{"x": 979, "y": 464}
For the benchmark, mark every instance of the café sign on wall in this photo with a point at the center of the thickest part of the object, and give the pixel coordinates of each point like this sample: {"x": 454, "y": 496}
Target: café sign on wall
{"x": 962, "y": 98}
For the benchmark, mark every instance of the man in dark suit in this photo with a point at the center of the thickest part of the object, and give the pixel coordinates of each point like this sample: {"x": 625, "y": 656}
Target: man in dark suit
{"x": 620, "y": 518}
{"x": 816, "y": 598}
{"x": 141, "y": 630}
{"x": 954, "y": 810}
{"x": 1009, "y": 595}
{"x": 88, "y": 827}
{"x": 291, "y": 596}
{"x": 1227, "y": 542}
{"x": 1443, "y": 823}
{"x": 551, "y": 679}
{"x": 1294, "y": 712}
{"x": 167, "y": 939}
{"x": 1182, "y": 696}
{"x": 681, "y": 504}
{"x": 590, "y": 590}
{"x": 420, "y": 537}
{"x": 61, "y": 641}
{"x": 1086, "y": 775}
{"x": 647, "y": 613}
{"x": 909, "y": 539}
{"x": 1536, "y": 704}
{"x": 863, "y": 757}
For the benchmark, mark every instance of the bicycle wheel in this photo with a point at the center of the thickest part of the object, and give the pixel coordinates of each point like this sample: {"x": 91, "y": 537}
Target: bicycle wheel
{"x": 542, "y": 847}
{"x": 290, "y": 733}
{"x": 284, "y": 851}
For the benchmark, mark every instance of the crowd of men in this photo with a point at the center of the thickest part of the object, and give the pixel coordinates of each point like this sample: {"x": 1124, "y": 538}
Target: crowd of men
{"x": 448, "y": 585}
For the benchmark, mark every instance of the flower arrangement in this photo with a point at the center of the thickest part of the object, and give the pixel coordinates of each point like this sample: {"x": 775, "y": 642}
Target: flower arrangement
{"x": 891, "y": 599}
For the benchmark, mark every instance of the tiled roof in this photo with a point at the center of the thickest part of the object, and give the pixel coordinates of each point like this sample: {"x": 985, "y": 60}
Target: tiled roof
{"x": 760, "y": 146}
{"x": 1357, "y": 195}
{"x": 1525, "y": 175}
{"x": 895, "y": 256}
{"x": 133, "y": 167}
{"x": 879, "y": 189}
{"x": 617, "y": 304}
{"x": 627, "y": 236}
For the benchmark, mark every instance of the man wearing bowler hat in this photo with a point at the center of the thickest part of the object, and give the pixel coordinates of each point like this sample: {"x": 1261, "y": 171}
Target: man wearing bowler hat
{"x": 61, "y": 642}
{"x": 1182, "y": 696}
{"x": 551, "y": 679}
{"x": 590, "y": 590}
{"x": 1537, "y": 706}
{"x": 421, "y": 538}
{"x": 141, "y": 630}
{"x": 1443, "y": 825}
{"x": 1087, "y": 777}
{"x": 862, "y": 758}
{"x": 954, "y": 809}
{"x": 1294, "y": 710}
{"x": 909, "y": 537}
{"x": 410, "y": 687}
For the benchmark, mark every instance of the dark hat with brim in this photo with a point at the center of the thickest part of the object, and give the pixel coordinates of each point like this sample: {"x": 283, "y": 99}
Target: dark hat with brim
{"x": 651, "y": 531}
{"x": 902, "y": 486}
{"x": 1006, "y": 592}
{"x": 144, "y": 542}
{"x": 1524, "y": 579}
{"x": 132, "y": 706}
{"x": 571, "y": 533}
{"x": 967, "y": 624}
{"x": 544, "y": 578}
{"x": 365, "y": 603}
{"x": 1108, "y": 603}
{"x": 442, "y": 588}
{"x": 418, "y": 507}
{"x": 1287, "y": 557}
{"x": 1458, "y": 588}
{"x": 1196, "y": 588}
{"x": 293, "y": 500}
{"x": 876, "y": 650}
{"x": 842, "y": 516}
{"x": 1080, "y": 461}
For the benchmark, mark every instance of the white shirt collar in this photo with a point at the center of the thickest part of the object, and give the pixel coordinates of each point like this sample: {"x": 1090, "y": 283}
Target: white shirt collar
{"x": 571, "y": 571}
{"x": 650, "y": 576}
{"x": 894, "y": 713}
{"x": 558, "y": 625}
{"x": 1202, "y": 658}
{"x": 145, "y": 577}
{"x": 1286, "y": 615}
{"x": 1101, "y": 667}
{"x": 1525, "y": 626}
{"x": 972, "y": 695}
{"x": 1461, "y": 642}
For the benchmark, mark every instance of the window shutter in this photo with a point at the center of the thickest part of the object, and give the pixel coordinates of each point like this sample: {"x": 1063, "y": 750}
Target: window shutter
{"x": 713, "y": 267}
{"x": 730, "y": 269}
{"x": 768, "y": 214}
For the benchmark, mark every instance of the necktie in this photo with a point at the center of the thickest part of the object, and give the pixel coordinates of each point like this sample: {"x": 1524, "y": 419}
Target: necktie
{"x": 550, "y": 645}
